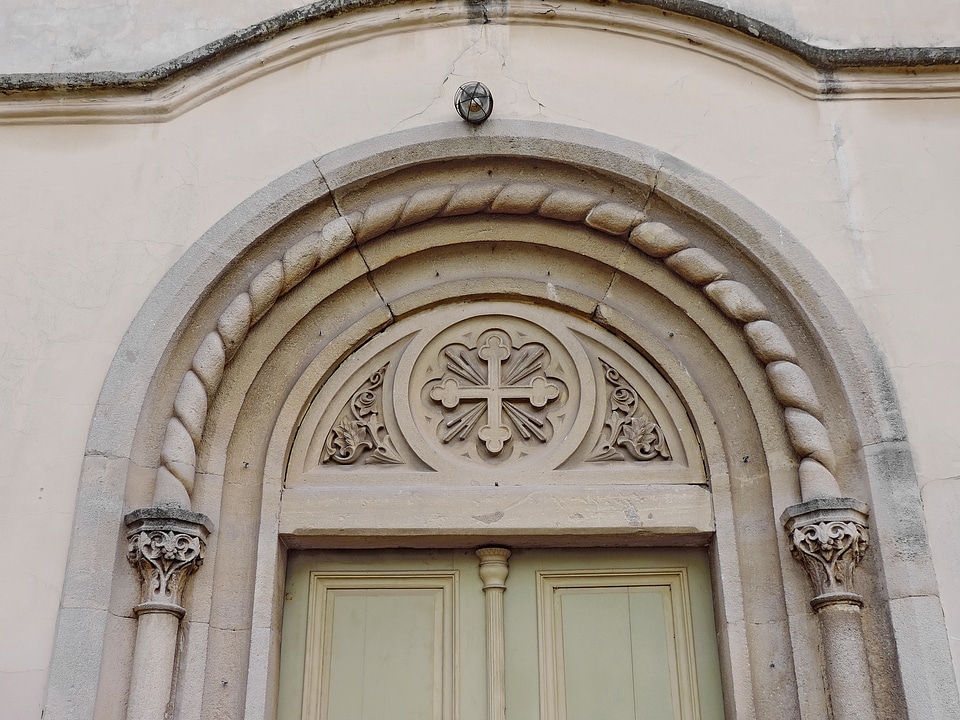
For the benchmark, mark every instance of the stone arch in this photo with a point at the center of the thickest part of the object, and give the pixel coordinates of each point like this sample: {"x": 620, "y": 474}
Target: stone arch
{"x": 780, "y": 327}
{"x": 790, "y": 383}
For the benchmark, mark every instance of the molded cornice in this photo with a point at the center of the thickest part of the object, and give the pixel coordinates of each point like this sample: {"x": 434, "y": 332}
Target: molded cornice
{"x": 169, "y": 89}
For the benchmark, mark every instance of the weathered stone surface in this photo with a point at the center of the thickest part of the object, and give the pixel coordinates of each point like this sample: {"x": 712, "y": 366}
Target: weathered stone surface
{"x": 809, "y": 436}
{"x": 658, "y": 240}
{"x": 736, "y": 301}
{"x": 792, "y": 387}
{"x": 768, "y": 342}
{"x": 696, "y": 266}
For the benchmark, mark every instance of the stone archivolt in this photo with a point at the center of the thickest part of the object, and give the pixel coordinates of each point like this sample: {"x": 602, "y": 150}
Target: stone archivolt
{"x": 803, "y": 414}
{"x": 828, "y": 549}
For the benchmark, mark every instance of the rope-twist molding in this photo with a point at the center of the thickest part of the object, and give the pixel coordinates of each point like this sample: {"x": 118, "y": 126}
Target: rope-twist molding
{"x": 802, "y": 411}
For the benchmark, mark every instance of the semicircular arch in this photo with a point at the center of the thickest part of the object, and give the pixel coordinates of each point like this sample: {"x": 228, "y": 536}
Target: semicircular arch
{"x": 337, "y": 250}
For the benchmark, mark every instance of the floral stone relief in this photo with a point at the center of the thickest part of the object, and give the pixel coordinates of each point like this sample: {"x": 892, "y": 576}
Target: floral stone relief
{"x": 629, "y": 433}
{"x": 360, "y": 432}
{"x": 478, "y": 386}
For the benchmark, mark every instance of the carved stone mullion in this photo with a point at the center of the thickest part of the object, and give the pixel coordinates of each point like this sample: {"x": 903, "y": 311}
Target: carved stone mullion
{"x": 493, "y": 573}
{"x": 828, "y": 536}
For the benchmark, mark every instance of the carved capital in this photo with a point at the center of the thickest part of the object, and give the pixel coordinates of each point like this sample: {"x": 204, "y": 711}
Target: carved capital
{"x": 166, "y": 546}
{"x": 829, "y": 537}
{"x": 493, "y": 567}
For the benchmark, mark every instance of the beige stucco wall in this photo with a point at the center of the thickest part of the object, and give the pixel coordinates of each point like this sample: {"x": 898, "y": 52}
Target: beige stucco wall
{"x": 94, "y": 215}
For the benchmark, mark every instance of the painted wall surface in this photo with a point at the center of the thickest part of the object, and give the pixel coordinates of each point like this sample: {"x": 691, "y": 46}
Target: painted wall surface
{"x": 93, "y": 216}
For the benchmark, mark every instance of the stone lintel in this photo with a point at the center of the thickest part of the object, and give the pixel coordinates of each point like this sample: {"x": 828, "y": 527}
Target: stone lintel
{"x": 640, "y": 512}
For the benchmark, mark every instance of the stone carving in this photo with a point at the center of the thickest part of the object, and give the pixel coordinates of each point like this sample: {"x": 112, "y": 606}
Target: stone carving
{"x": 766, "y": 339}
{"x": 829, "y": 537}
{"x": 830, "y": 551}
{"x": 166, "y": 551}
{"x": 360, "y": 430}
{"x": 499, "y": 382}
{"x": 627, "y": 434}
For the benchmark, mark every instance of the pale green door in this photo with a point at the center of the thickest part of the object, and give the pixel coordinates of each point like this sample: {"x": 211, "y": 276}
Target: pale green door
{"x": 607, "y": 634}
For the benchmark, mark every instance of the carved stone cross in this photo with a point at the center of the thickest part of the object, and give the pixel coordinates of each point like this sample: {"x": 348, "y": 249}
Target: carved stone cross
{"x": 496, "y": 392}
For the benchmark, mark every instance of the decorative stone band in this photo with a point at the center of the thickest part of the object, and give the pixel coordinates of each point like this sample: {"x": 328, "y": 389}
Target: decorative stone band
{"x": 791, "y": 385}
{"x": 166, "y": 545}
{"x": 829, "y": 537}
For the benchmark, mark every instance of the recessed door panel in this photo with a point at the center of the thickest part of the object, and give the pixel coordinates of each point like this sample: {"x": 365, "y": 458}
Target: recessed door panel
{"x": 613, "y": 644}
{"x": 603, "y": 634}
{"x": 380, "y": 645}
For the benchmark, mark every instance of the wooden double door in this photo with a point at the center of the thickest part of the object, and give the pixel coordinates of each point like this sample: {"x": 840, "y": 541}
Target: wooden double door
{"x": 599, "y": 634}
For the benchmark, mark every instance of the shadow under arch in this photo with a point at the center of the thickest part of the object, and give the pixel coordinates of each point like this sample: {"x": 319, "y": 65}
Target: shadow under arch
{"x": 232, "y": 603}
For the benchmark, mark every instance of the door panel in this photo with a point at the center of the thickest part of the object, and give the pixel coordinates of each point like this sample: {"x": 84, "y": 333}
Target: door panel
{"x": 380, "y": 645}
{"x": 607, "y": 634}
{"x": 610, "y": 647}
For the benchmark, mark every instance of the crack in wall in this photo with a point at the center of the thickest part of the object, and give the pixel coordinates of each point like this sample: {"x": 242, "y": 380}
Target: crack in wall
{"x": 356, "y": 244}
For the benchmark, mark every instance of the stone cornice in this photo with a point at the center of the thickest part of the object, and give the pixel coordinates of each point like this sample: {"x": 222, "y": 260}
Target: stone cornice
{"x": 166, "y": 90}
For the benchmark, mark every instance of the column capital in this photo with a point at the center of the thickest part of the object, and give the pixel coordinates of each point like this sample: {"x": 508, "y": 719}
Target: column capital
{"x": 829, "y": 537}
{"x": 166, "y": 545}
{"x": 494, "y": 567}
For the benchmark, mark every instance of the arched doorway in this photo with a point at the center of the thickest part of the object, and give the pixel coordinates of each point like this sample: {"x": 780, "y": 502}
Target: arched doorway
{"x": 738, "y": 347}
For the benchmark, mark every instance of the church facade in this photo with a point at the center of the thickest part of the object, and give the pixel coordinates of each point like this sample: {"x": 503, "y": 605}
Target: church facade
{"x": 623, "y": 385}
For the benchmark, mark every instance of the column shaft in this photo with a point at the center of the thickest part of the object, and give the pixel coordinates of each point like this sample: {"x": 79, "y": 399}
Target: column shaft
{"x": 493, "y": 572}
{"x": 846, "y": 661}
{"x": 153, "y": 662}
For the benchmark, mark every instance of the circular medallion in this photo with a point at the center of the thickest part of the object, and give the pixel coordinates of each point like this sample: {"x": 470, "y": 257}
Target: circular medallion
{"x": 491, "y": 387}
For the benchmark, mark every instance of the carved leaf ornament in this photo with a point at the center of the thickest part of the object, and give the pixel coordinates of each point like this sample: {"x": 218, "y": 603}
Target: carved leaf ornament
{"x": 165, "y": 559}
{"x": 360, "y": 430}
{"x": 830, "y": 551}
{"x": 803, "y": 414}
{"x": 625, "y": 431}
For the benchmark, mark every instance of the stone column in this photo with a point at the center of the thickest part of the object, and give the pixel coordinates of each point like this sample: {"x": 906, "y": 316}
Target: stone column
{"x": 493, "y": 572}
{"x": 166, "y": 546}
{"x": 829, "y": 536}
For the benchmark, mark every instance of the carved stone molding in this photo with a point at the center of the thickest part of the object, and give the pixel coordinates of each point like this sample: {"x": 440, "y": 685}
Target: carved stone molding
{"x": 790, "y": 383}
{"x": 360, "y": 432}
{"x": 829, "y": 537}
{"x": 628, "y": 432}
{"x": 166, "y": 546}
